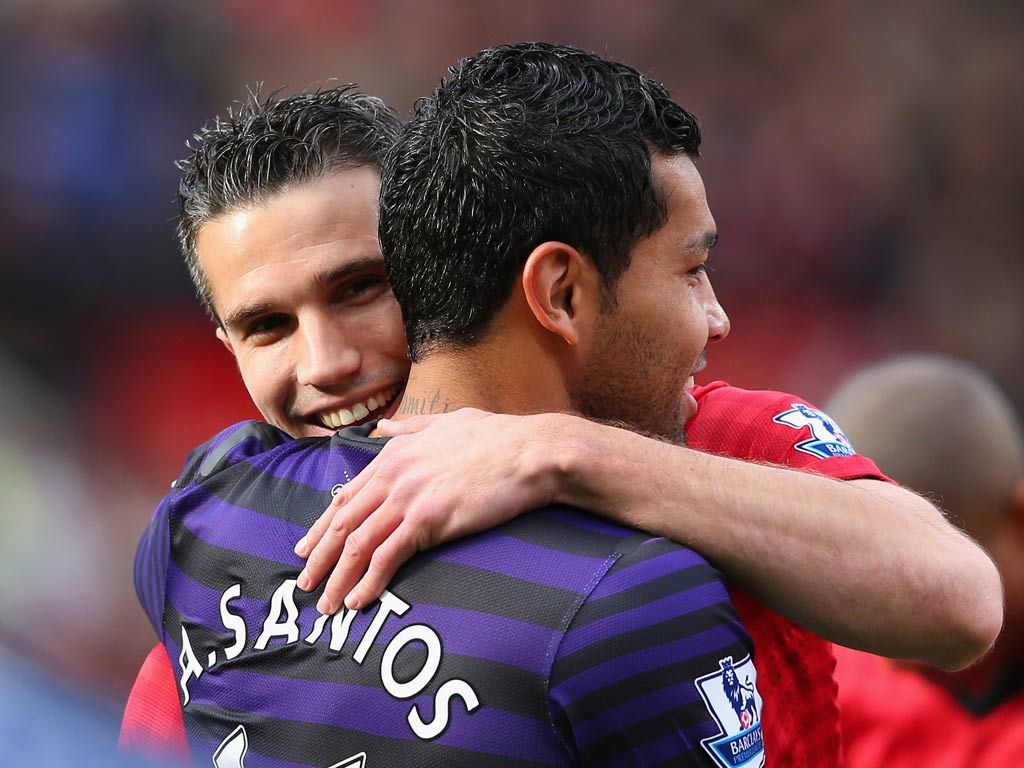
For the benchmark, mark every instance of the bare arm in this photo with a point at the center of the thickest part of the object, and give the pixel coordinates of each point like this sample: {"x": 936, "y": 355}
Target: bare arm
{"x": 862, "y": 563}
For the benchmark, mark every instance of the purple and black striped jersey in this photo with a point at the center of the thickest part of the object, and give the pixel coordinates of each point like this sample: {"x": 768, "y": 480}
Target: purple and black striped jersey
{"x": 555, "y": 639}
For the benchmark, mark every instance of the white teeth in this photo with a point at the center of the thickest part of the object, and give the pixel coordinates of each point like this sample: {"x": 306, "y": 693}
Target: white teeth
{"x": 382, "y": 398}
{"x": 343, "y": 416}
{"x": 689, "y": 382}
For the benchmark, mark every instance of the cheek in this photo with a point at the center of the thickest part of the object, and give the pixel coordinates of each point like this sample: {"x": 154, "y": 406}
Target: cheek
{"x": 384, "y": 328}
{"x": 693, "y": 327}
{"x": 267, "y": 377}
{"x": 677, "y": 324}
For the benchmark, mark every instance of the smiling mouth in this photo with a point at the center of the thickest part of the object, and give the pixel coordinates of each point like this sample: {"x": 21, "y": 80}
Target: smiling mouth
{"x": 361, "y": 412}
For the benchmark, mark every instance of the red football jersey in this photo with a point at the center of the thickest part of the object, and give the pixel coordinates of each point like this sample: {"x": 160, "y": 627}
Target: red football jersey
{"x": 153, "y": 724}
{"x": 897, "y": 718}
{"x": 794, "y": 666}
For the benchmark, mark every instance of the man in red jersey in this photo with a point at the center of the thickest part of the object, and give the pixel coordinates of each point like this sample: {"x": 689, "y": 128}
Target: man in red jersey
{"x": 943, "y": 428}
{"x": 773, "y": 531}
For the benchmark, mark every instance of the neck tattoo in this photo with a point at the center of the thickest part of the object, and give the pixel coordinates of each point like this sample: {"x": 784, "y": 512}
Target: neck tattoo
{"x": 421, "y": 406}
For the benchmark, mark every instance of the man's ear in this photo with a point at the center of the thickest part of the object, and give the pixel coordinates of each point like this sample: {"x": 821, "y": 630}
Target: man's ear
{"x": 223, "y": 336}
{"x": 562, "y": 289}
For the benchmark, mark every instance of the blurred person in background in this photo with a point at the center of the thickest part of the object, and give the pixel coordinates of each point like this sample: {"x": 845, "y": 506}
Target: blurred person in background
{"x": 943, "y": 428}
{"x": 290, "y": 324}
{"x": 57, "y": 706}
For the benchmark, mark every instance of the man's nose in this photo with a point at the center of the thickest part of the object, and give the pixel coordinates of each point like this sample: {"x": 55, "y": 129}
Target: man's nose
{"x": 718, "y": 320}
{"x": 325, "y": 357}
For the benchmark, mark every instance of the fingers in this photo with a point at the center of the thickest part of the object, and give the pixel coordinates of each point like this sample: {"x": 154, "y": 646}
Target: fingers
{"x": 386, "y": 514}
{"x": 357, "y": 555}
{"x": 384, "y": 563}
{"x": 333, "y": 513}
{"x": 344, "y": 515}
{"x": 316, "y": 531}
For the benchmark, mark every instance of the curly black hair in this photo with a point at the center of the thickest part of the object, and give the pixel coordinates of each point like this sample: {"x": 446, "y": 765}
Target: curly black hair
{"x": 261, "y": 146}
{"x": 523, "y": 144}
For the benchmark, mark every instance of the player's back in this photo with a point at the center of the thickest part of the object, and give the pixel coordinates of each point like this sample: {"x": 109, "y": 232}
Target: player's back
{"x": 556, "y": 639}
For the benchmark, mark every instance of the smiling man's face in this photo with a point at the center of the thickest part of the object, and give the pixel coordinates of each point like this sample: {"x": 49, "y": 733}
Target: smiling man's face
{"x": 654, "y": 337}
{"x": 299, "y": 286}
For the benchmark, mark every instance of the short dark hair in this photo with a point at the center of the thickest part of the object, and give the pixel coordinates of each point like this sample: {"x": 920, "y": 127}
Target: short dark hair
{"x": 523, "y": 144}
{"x": 262, "y": 146}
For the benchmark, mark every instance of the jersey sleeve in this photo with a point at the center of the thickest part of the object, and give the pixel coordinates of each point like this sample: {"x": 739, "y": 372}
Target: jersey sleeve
{"x": 151, "y": 564}
{"x": 153, "y": 725}
{"x": 640, "y": 675}
{"x": 774, "y": 427}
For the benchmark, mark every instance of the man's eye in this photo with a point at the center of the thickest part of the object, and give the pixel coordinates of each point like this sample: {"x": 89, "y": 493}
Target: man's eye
{"x": 364, "y": 287}
{"x": 265, "y": 326}
{"x": 700, "y": 269}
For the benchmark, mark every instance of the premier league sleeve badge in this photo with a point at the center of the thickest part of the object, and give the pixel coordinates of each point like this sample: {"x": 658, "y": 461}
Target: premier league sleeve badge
{"x": 731, "y": 697}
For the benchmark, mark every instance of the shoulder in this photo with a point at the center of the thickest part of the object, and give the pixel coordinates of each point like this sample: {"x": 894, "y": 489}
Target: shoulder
{"x": 721, "y": 400}
{"x": 655, "y": 638}
{"x": 654, "y": 580}
{"x": 607, "y": 559}
{"x": 225, "y": 449}
{"x": 238, "y": 442}
{"x": 776, "y": 427}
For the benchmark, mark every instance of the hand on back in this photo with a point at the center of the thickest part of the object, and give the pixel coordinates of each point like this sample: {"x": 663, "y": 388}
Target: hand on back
{"x": 439, "y": 478}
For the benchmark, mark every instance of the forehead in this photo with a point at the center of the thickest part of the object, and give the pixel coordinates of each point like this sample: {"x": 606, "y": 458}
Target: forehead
{"x": 679, "y": 181}
{"x": 688, "y": 229}
{"x": 303, "y": 230}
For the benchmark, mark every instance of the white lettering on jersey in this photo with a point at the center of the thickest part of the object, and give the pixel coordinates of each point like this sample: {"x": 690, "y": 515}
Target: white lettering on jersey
{"x": 232, "y": 621}
{"x": 389, "y": 604}
{"x": 356, "y": 761}
{"x": 231, "y": 753}
{"x": 282, "y": 620}
{"x": 442, "y": 709}
{"x": 190, "y": 666}
{"x": 283, "y": 600}
{"x": 421, "y": 679}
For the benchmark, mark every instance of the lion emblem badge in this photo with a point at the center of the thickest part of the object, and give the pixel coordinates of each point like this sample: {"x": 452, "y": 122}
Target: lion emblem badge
{"x": 827, "y": 440}
{"x": 730, "y": 694}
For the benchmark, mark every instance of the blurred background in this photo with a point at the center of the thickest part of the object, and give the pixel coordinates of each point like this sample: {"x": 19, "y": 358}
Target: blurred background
{"x": 858, "y": 158}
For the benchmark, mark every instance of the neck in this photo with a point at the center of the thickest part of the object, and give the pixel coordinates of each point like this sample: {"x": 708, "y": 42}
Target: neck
{"x": 428, "y": 391}
{"x": 493, "y": 380}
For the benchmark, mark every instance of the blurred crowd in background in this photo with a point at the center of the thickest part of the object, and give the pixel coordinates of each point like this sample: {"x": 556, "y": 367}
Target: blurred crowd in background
{"x": 858, "y": 159}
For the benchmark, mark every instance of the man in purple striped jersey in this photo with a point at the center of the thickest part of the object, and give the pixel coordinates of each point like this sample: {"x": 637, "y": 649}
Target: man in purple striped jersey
{"x": 556, "y": 639}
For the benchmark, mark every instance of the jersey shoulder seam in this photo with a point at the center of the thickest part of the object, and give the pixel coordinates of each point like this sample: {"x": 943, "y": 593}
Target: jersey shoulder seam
{"x": 623, "y": 547}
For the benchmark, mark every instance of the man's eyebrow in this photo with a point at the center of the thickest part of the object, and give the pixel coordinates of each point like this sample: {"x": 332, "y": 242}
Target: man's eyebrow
{"x": 247, "y": 312}
{"x": 332, "y": 276}
{"x": 704, "y": 242}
